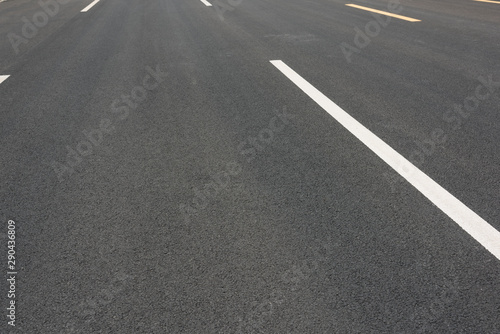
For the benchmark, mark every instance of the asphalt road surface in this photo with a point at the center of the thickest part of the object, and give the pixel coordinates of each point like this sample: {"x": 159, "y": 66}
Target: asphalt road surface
{"x": 250, "y": 166}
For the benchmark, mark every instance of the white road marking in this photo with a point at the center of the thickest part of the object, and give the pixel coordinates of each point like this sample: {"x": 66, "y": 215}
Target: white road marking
{"x": 208, "y": 4}
{"x": 90, "y": 6}
{"x": 3, "y": 78}
{"x": 467, "y": 219}
{"x": 401, "y": 17}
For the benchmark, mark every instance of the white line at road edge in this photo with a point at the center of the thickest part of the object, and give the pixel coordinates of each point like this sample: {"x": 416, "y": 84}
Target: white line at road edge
{"x": 90, "y": 6}
{"x": 3, "y": 78}
{"x": 208, "y": 4}
{"x": 467, "y": 219}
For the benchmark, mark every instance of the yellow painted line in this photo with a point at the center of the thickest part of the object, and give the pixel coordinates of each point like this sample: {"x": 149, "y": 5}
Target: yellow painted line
{"x": 497, "y": 2}
{"x": 406, "y": 18}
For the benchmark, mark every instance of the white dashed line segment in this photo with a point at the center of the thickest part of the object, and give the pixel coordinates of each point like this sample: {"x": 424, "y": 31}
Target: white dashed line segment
{"x": 3, "y": 78}
{"x": 90, "y": 6}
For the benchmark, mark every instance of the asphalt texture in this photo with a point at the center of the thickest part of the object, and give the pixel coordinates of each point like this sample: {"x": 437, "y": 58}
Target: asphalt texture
{"x": 165, "y": 177}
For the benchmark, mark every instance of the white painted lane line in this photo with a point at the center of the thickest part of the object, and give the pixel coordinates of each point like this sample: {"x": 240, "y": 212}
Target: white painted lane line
{"x": 401, "y": 17}
{"x": 90, "y": 6}
{"x": 477, "y": 227}
{"x": 497, "y": 2}
{"x": 3, "y": 78}
{"x": 208, "y": 4}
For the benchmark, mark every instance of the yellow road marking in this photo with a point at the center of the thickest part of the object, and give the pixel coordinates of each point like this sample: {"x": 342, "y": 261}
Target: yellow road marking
{"x": 497, "y": 2}
{"x": 406, "y": 18}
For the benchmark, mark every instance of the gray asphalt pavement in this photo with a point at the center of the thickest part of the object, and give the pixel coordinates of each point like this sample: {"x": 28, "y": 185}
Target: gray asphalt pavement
{"x": 160, "y": 175}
